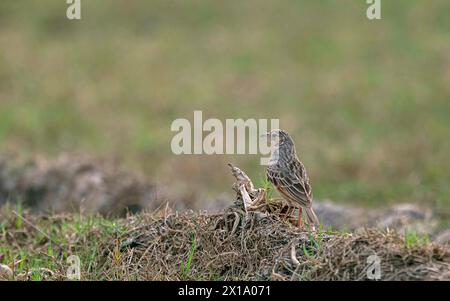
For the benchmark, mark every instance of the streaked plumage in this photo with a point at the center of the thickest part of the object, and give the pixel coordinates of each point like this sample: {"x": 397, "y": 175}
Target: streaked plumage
{"x": 288, "y": 174}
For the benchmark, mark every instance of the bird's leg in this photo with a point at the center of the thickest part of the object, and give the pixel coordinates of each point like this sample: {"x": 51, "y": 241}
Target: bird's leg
{"x": 300, "y": 213}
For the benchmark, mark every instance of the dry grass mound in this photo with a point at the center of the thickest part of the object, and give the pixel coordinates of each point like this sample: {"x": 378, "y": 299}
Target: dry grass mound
{"x": 232, "y": 245}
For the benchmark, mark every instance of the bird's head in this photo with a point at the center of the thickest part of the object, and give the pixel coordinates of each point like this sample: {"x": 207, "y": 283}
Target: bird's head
{"x": 279, "y": 137}
{"x": 282, "y": 145}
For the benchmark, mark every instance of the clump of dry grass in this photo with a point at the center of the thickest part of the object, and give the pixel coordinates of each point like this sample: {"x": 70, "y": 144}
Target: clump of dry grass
{"x": 344, "y": 257}
{"x": 230, "y": 246}
{"x": 166, "y": 245}
{"x": 227, "y": 246}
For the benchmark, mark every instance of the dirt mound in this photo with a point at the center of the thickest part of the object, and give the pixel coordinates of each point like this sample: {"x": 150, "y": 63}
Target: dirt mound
{"x": 73, "y": 183}
{"x": 443, "y": 237}
{"x": 198, "y": 246}
{"x": 400, "y": 217}
{"x": 230, "y": 247}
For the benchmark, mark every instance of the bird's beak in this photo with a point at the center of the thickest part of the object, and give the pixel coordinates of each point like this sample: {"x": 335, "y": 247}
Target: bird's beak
{"x": 265, "y": 135}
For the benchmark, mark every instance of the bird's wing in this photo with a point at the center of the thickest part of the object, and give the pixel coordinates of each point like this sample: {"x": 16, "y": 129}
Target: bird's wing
{"x": 293, "y": 183}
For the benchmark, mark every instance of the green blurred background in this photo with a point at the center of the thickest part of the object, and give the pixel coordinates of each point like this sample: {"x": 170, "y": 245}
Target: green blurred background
{"x": 368, "y": 102}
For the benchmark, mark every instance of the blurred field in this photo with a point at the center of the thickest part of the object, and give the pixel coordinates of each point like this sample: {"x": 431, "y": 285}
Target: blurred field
{"x": 367, "y": 102}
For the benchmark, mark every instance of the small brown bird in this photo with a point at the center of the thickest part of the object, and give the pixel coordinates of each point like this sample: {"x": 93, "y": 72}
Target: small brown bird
{"x": 288, "y": 175}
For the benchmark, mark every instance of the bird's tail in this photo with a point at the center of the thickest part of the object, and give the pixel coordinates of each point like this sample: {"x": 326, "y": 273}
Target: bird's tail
{"x": 312, "y": 217}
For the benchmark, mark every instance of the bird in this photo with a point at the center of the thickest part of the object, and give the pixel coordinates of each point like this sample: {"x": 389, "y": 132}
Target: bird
{"x": 288, "y": 174}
